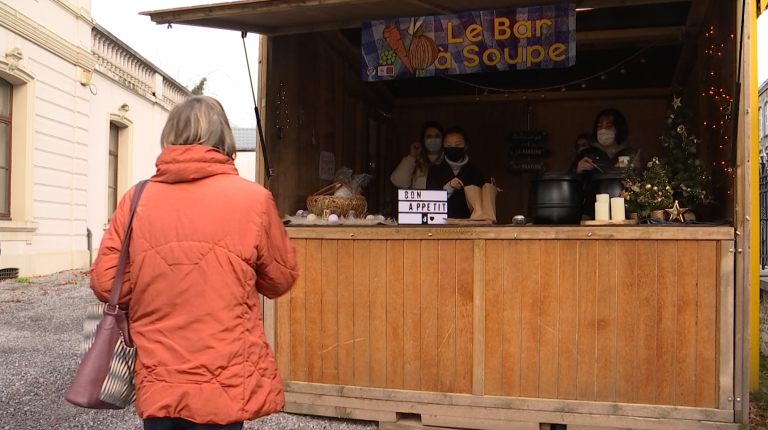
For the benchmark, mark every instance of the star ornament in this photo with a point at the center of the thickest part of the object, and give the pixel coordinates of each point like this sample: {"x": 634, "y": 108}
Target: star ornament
{"x": 676, "y": 102}
{"x": 676, "y": 213}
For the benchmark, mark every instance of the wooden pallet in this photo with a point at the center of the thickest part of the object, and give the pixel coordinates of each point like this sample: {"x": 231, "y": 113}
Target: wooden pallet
{"x": 406, "y": 410}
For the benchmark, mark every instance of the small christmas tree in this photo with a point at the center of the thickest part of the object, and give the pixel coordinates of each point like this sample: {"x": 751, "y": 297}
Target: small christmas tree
{"x": 649, "y": 191}
{"x": 688, "y": 173}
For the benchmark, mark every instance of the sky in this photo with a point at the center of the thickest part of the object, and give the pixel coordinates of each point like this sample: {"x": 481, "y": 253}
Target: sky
{"x": 187, "y": 53}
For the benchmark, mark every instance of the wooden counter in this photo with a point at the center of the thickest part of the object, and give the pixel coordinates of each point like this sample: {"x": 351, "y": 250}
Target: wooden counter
{"x": 631, "y": 325}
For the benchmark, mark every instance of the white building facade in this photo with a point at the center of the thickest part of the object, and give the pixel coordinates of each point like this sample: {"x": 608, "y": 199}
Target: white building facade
{"x": 245, "y": 159}
{"x": 80, "y": 122}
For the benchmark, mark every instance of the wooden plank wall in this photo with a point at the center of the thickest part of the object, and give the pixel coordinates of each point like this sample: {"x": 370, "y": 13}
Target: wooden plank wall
{"x": 563, "y": 322}
{"x": 488, "y": 123}
{"x": 608, "y": 321}
{"x": 327, "y": 112}
{"x": 389, "y": 314}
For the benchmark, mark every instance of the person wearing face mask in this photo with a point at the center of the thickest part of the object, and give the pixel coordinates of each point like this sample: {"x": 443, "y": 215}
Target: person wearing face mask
{"x": 583, "y": 141}
{"x": 455, "y": 173}
{"x": 411, "y": 173}
{"x": 611, "y": 130}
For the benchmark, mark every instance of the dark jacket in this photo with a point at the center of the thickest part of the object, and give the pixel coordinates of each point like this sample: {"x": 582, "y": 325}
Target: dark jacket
{"x": 441, "y": 174}
{"x": 607, "y": 163}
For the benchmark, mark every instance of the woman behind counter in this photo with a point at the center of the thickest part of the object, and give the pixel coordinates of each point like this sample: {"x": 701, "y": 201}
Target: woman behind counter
{"x": 456, "y": 173}
{"x": 611, "y": 130}
{"x": 411, "y": 173}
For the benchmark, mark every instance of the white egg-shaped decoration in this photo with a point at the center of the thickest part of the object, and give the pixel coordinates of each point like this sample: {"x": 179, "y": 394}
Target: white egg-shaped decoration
{"x": 380, "y": 218}
{"x": 333, "y": 218}
{"x": 370, "y": 217}
{"x": 311, "y": 217}
{"x": 300, "y": 213}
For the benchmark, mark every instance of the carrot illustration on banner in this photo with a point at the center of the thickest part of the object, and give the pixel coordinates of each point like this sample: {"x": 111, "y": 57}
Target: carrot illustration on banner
{"x": 392, "y": 36}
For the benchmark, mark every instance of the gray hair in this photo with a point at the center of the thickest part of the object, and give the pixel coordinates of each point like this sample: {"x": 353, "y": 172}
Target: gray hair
{"x": 199, "y": 120}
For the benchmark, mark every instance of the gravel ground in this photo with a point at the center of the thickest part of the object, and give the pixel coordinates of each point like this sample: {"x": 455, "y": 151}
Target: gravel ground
{"x": 40, "y": 325}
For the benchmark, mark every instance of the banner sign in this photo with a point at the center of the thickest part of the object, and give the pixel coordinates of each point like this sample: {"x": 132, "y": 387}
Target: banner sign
{"x": 541, "y": 37}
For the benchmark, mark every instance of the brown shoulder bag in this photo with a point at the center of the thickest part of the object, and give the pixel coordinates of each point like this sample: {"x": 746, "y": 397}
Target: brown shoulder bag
{"x": 104, "y": 377}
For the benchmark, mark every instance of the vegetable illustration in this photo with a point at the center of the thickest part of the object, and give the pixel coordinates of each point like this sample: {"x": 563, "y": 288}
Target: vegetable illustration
{"x": 423, "y": 52}
{"x": 392, "y": 36}
{"x": 387, "y": 58}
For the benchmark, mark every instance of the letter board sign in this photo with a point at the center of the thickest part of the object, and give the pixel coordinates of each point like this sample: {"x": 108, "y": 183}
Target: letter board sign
{"x": 418, "y": 207}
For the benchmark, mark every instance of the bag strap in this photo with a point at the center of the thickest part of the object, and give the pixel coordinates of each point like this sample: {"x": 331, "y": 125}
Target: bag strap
{"x": 122, "y": 262}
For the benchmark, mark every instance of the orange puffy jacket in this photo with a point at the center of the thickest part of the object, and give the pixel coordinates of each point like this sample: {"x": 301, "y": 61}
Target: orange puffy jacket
{"x": 205, "y": 242}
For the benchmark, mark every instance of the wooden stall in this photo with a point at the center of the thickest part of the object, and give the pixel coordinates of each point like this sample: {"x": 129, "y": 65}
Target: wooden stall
{"x": 506, "y": 327}
{"x": 512, "y": 324}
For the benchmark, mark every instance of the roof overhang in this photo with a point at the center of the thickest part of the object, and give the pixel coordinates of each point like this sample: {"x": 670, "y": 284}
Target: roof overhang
{"x": 280, "y": 17}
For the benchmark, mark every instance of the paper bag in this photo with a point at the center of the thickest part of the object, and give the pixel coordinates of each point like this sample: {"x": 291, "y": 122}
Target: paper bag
{"x": 482, "y": 201}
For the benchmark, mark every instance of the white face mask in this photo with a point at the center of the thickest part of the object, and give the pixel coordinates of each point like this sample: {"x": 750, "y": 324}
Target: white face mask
{"x": 606, "y": 137}
{"x": 433, "y": 145}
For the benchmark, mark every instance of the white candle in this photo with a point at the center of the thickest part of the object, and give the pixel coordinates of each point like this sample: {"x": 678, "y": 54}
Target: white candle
{"x": 602, "y": 213}
{"x": 617, "y": 209}
{"x": 603, "y": 198}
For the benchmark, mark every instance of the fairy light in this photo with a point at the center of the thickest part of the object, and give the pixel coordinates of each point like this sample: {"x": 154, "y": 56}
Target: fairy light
{"x": 638, "y": 57}
{"x": 717, "y": 96}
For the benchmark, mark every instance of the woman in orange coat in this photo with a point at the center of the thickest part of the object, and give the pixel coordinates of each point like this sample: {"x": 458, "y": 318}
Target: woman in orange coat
{"x": 205, "y": 243}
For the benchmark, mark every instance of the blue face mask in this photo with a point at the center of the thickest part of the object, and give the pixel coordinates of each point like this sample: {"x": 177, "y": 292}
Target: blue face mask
{"x": 433, "y": 145}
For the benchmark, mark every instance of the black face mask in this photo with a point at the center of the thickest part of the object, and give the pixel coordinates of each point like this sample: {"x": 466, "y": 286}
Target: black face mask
{"x": 454, "y": 154}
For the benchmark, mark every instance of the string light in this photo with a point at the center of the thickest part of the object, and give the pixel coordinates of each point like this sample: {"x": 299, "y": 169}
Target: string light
{"x": 282, "y": 103}
{"x": 583, "y": 81}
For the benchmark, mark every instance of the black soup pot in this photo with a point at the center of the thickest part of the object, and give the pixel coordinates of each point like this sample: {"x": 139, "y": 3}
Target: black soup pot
{"x": 556, "y": 198}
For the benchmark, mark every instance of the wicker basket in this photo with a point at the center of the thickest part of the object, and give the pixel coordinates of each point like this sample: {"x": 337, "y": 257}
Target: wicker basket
{"x": 324, "y": 199}
{"x": 634, "y": 216}
{"x": 660, "y": 214}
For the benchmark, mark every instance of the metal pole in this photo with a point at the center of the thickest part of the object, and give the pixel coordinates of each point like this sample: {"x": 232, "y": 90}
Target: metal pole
{"x": 256, "y": 110}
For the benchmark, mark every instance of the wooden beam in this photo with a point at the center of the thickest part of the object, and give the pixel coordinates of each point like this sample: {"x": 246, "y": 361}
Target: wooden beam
{"x": 536, "y": 96}
{"x": 222, "y": 15}
{"x": 221, "y": 10}
{"x": 621, "y": 3}
{"x": 535, "y": 410}
{"x": 688, "y": 56}
{"x": 519, "y": 233}
{"x": 429, "y": 5}
{"x": 617, "y": 38}
{"x": 261, "y": 94}
{"x": 725, "y": 323}
{"x": 224, "y": 25}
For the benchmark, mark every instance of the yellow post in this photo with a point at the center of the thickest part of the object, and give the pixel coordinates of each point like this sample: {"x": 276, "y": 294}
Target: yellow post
{"x": 754, "y": 243}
